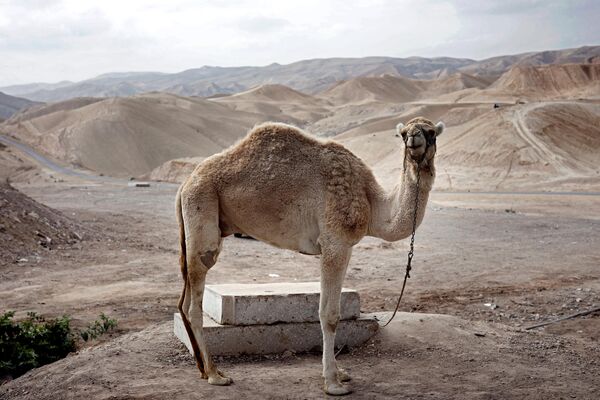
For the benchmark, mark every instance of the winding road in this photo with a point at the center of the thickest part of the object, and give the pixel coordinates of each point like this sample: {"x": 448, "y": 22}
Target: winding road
{"x": 47, "y": 163}
{"x": 541, "y": 148}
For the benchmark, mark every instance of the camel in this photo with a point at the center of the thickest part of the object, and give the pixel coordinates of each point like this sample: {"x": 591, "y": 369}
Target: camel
{"x": 295, "y": 191}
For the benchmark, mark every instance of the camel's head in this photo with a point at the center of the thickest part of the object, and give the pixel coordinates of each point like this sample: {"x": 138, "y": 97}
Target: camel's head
{"x": 419, "y": 136}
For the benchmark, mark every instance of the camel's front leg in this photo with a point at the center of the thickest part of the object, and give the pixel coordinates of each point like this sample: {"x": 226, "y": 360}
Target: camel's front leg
{"x": 334, "y": 261}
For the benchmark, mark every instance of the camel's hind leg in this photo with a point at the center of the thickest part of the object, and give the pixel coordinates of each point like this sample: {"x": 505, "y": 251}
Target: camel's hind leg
{"x": 184, "y": 307}
{"x": 334, "y": 260}
{"x": 203, "y": 244}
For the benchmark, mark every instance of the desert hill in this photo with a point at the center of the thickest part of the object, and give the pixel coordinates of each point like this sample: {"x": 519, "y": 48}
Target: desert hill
{"x": 567, "y": 79}
{"x": 495, "y": 66}
{"x": 9, "y": 105}
{"x": 394, "y": 89}
{"x": 130, "y": 136}
{"x": 308, "y": 76}
{"x": 51, "y": 108}
{"x": 534, "y": 83}
{"x": 176, "y": 170}
{"x": 532, "y": 146}
{"x": 386, "y": 89}
{"x": 273, "y": 93}
{"x": 278, "y": 103}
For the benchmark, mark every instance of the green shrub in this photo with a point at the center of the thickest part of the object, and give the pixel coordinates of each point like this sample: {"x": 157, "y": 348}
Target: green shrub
{"x": 36, "y": 341}
{"x": 32, "y": 342}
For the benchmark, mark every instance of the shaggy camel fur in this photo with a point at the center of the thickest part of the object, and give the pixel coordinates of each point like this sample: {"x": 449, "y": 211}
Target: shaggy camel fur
{"x": 289, "y": 189}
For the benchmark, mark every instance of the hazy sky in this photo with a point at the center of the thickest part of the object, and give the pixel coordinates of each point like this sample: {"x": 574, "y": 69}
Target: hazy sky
{"x": 52, "y": 40}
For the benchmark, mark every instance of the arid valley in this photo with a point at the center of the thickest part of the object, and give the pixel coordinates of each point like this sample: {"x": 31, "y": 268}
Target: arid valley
{"x": 510, "y": 237}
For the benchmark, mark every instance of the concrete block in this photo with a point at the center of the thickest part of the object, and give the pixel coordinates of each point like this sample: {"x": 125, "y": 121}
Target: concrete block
{"x": 276, "y": 338}
{"x": 138, "y": 184}
{"x": 270, "y": 303}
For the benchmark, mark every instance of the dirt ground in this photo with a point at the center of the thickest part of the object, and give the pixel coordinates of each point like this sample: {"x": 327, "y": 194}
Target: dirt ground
{"x": 493, "y": 263}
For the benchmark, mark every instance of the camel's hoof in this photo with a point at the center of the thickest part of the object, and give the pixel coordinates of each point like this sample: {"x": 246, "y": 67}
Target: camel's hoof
{"x": 343, "y": 375}
{"x": 337, "y": 389}
{"x": 220, "y": 380}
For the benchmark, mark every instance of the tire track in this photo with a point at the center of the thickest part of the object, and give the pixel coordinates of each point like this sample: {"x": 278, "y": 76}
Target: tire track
{"x": 541, "y": 148}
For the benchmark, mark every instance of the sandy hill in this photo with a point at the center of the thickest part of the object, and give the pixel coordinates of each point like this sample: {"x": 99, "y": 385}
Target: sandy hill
{"x": 51, "y": 108}
{"x": 394, "y": 89}
{"x": 176, "y": 170}
{"x": 564, "y": 79}
{"x": 274, "y": 93}
{"x": 278, "y": 103}
{"x": 458, "y": 81}
{"x": 386, "y": 89}
{"x": 131, "y": 136}
{"x": 9, "y": 105}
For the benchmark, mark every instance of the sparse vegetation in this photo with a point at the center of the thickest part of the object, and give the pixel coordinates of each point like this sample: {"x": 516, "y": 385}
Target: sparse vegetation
{"x": 36, "y": 341}
{"x": 99, "y": 327}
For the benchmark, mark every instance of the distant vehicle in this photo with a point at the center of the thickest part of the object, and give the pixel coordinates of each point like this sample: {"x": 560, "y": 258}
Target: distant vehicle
{"x": 496, "y": 105}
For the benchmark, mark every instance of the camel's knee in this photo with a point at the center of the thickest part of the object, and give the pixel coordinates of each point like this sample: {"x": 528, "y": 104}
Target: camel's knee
{"x": 329, "y": 321}
{"x": 209, "y": 258}
{"x": 203, "y": 258}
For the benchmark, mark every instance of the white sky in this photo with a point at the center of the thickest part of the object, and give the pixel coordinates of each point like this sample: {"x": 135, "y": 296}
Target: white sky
{"x": 53, "y": 40}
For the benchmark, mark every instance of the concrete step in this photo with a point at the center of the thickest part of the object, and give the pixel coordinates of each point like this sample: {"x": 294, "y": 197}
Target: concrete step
{"x": 276, "y": 338}
{"x": 270, "y": 303}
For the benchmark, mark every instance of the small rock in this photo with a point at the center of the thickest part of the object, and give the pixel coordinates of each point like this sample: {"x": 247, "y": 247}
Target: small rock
{"x": 287, "y": 353}
{"x": 22, "y": 260}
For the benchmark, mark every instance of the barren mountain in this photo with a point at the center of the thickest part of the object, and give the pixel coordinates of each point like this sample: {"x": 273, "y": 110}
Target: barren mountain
{"x": 278, "y": 103}
{"x": 130, "y": 136}
{"x": 496, "y": 66}
{"x": 393, "y": 89}
{"x": 309, "y": 76}
{"x": 552, "y": 80}
{"x": 20, "y": 90}
{"x": 10, "y": 105}
{"x": 535, "y": 83}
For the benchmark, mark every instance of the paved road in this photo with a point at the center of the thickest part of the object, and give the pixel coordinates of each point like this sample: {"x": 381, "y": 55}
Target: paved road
{"x": 47, "y": 163}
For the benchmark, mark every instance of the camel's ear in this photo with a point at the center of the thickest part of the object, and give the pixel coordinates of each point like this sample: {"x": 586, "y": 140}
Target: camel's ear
{"x": 399, "y": 128}
{"x": 439, "y": 128}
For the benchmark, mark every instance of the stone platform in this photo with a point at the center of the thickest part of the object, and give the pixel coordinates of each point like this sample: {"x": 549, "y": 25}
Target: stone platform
{"x": 276, "y": 338}
{"x": 270, "y": 303}
{"x": 272, "y": 318}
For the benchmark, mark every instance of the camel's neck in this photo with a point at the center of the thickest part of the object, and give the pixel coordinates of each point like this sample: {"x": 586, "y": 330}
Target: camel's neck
{"x": 392, "y": 213}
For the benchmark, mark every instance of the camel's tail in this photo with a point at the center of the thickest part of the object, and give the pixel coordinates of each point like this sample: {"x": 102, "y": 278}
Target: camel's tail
{"x": 185, "y": 291}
